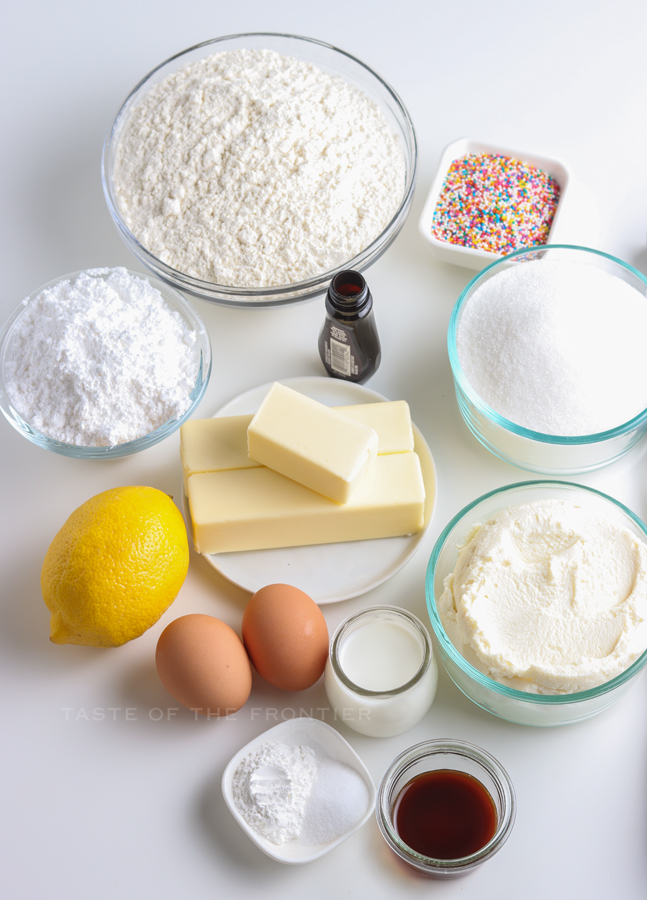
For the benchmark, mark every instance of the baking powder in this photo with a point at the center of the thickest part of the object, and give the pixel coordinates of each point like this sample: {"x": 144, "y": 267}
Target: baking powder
{"x": 271, "y": 787}
{"x": 255, "y": 169}
{"x": 100, "y": 360}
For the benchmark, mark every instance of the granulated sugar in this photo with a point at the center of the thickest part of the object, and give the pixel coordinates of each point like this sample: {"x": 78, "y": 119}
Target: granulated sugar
{"x": 255, "y": 169}
{"x": 556, "y": 347}
{"x": 100, "y": 361}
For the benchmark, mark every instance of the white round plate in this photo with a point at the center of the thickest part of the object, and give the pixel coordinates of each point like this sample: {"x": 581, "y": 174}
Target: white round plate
{"x": 326, "y": 572}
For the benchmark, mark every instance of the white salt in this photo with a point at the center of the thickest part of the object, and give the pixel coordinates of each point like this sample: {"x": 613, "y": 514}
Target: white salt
{"x": 338, "y": 800}
{"x": 556, "y": 347}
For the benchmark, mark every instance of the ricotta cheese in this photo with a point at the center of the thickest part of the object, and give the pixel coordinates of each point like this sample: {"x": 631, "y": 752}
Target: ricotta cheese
{"x": 548, "y": 597}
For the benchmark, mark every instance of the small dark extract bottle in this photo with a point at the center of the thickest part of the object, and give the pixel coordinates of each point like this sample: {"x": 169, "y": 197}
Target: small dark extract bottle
{"x": 348, "y": 343}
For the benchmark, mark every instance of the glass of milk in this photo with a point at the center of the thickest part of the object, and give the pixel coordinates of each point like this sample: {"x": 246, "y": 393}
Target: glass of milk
{"x": 381, "y": 673}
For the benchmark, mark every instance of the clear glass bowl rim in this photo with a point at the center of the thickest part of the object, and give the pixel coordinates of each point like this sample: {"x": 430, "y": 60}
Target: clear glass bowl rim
{"x": 482, "y": 407}
{"x": 281, "y": 294}
{"x": 413, "y": 620}
{"x": 410, "y": 757}
{"x": 176, "y": 302}
{"x": 539, "y": 700}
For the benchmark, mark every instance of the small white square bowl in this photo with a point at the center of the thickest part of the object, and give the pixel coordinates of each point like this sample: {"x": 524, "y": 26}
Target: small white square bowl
{"x": 322, "y": 737}
{"x": 468, "y": 256}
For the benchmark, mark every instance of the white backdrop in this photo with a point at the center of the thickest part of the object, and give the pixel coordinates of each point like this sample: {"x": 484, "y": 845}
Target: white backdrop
{"x": 105, "y": 793}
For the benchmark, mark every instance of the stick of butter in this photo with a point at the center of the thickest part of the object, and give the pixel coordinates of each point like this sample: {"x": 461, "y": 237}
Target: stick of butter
{"x": 257, "y": 509}
{"x": 210, "y": 445}
{"x": 391, "y": 420}
{"x": 311, "y": 443}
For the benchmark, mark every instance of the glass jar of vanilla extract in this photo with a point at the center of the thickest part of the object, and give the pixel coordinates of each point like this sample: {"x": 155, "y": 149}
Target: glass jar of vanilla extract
{"x": 349, "y": 344}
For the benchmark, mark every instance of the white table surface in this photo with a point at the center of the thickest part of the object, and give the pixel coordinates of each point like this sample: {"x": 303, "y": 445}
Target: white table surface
{"x": 106, "y": 794}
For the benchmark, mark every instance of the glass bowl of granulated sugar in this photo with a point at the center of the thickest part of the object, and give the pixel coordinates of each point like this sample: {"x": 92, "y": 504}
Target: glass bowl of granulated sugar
{"x": 547, "y": 352}
{"x": 102, "y": 363}
{"x": 249, "y": 169}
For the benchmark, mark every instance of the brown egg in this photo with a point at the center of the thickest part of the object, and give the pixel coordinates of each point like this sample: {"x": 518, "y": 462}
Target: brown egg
{"x": 203, "y": 664}
{"x": 286, "y": 637}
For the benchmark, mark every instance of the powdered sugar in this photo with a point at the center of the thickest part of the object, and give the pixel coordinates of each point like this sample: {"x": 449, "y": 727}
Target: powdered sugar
{"x": 101, "y": 360}
{"x": 556, "y": 347}
{"x": 255, "y": 169}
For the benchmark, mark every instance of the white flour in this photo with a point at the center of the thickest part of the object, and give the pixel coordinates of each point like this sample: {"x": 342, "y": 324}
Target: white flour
{"x": 254, "y": 169}
{"x": 100, "y": 361}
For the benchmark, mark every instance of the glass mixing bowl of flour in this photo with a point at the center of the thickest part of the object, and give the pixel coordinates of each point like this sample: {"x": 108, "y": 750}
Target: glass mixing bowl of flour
{"x": 251, "y": 180}
{"x": 546, "y": 348}
{"x": 520, "y": 706}
{"x": 97, "y": 353}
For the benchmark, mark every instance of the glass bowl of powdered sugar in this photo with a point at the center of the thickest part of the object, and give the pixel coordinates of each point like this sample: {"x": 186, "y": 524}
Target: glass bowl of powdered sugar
{"x": 102, "y": 363}
{"x": 249, "y": 169}
{"x": 547, "y": 352}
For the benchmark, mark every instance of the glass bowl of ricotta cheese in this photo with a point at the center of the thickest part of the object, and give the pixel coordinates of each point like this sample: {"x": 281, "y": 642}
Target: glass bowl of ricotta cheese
{"x": 250, "y": 168}
{"x": 102, "y": 363}
{"x": 537, "y": 596}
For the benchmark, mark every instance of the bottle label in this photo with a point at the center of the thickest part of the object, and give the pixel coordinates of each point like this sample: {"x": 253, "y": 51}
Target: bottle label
{"x": 341, "y": 351}
{"x": 340, "y": 357}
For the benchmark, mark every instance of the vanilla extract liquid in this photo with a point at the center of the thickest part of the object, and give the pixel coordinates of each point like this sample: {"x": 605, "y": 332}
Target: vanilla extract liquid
{"x": 445, "y": 814}
{"x": 349, "y": 345}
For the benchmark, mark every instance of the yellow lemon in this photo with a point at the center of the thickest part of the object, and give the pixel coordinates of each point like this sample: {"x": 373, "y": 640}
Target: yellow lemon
{"x": 114, "y": 567}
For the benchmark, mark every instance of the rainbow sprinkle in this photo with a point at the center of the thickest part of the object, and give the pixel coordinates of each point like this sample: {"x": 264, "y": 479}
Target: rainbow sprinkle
{"x": 495, "y": 203}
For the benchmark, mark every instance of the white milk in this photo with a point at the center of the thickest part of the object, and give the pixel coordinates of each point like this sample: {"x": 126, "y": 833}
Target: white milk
{"x": 381, "y": 674}
{"x": 381, "y": 655}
